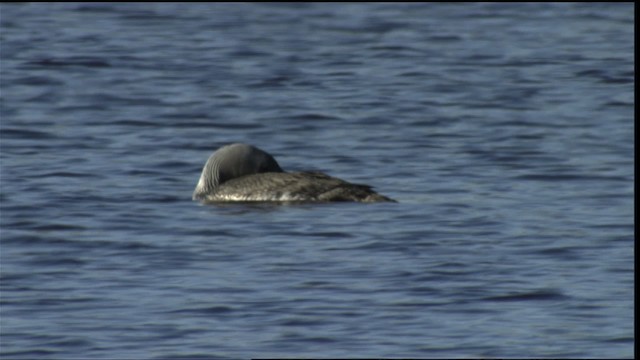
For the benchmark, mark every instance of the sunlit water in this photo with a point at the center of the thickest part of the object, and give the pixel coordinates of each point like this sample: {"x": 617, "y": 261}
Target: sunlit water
{"x": 505, "y": 131}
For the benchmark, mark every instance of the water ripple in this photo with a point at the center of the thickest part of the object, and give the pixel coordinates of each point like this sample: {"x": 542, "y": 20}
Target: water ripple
{"x": 504, "y": 130}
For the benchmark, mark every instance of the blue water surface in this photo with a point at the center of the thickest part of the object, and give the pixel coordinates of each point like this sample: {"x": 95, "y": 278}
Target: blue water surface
{"x": 505, "y": 132}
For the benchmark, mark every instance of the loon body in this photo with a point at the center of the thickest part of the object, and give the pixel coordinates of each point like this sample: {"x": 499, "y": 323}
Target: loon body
{"x": 241, "y": 172}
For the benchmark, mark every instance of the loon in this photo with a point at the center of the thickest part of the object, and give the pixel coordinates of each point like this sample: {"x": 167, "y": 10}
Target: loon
{"x": 241, "y": 172}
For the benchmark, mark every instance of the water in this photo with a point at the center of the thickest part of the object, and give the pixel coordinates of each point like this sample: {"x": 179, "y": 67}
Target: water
{"x": 505, "y": 131}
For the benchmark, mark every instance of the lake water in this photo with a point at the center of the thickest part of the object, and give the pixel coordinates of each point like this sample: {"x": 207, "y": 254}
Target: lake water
{"x": 505, "y": 132}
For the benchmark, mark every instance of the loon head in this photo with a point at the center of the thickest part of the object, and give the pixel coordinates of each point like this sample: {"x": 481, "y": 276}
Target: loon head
{"x": 230, "y": 162}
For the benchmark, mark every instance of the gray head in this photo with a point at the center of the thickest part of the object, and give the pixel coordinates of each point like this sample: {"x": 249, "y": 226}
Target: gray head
{"x": 230, "y": 162}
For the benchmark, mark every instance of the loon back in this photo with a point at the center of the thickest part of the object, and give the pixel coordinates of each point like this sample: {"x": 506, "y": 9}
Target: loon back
{"x": 296, "y": 186}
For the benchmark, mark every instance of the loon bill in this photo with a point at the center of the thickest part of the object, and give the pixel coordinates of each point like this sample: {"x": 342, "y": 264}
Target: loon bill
{"x": 241, "y": 172}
